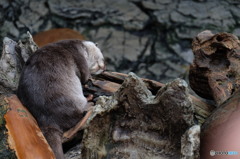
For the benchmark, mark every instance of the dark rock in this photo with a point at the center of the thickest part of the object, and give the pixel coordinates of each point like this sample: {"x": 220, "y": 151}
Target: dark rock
{"x": 197, "y": 10}
{"x": 103, "y": 11}
{"x": 74, "y": 153}
{"x": 39, "y": 7}
{"x": 8, "y": 27}
{"x": 4, "y": 4}
{"x": 152, "y": 5}
{"x": 130, "y": 32}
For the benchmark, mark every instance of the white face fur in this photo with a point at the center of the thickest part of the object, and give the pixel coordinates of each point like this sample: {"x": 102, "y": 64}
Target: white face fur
{"x": 94, "y": 58}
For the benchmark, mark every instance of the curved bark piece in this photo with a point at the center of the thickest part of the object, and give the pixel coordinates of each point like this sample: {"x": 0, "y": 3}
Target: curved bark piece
{"x": 24, "y": 135}
{"x": 133, "y": 123}
{"x": 20, "y": 135}
{"x": 215, "y": 72}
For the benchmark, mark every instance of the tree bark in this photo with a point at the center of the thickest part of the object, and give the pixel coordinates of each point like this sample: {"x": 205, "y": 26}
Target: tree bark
{"x": 134, "y": 123}
{"x": 24, "y": 137}
{"x": 215, "y": 72}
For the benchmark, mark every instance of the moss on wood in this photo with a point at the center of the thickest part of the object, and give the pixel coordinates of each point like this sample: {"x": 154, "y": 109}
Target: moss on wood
{"x": 5, "y": 151}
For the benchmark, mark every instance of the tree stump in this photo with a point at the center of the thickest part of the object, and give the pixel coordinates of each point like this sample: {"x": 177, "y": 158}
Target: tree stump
{"x": 134, "y": 123}
{"x": 215, "y": 72}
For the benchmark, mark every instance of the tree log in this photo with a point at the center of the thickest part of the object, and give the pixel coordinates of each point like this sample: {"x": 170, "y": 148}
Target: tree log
{"x": 134, "y": 123}
{"x": 110, "y": 82}
{"x": 215, "y": 72}
{"x": 24, "y": 136}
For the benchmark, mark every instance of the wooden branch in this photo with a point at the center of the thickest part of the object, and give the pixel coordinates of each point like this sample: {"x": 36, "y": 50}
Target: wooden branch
{"x": 68, "y": 135}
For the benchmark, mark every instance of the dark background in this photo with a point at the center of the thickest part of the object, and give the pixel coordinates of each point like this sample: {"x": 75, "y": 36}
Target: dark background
{"x": 149, "y": 37}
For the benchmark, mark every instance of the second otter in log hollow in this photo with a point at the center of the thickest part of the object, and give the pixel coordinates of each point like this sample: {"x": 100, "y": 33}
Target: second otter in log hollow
{"x": 50, "y": 86}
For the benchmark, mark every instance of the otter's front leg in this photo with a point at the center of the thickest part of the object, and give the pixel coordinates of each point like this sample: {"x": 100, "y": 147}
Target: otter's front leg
{"x": 54, "y": 138}
{"x": 71, "y": 132}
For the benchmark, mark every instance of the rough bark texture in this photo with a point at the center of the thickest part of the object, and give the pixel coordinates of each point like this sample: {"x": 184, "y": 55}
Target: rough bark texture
{"x": 215, "y": 72}
{"x": 133, "y": 123}
{"x": 110, "y": 82}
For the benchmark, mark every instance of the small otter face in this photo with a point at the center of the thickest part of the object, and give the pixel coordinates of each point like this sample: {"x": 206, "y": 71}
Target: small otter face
{"x": 94, "y": 57}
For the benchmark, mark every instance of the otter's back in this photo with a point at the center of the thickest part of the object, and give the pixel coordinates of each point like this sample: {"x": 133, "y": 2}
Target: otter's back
{"x": 50, "y": 88}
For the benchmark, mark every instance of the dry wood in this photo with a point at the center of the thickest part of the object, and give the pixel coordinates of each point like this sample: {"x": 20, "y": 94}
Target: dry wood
{"x": 68, "y": 135}
{"x": 215, "y": 72}
{"x": 134, "y": 123}
{"x": 111, "y": 82}
{"x": 24, "y": 135}
{"x": 54, "y": 35}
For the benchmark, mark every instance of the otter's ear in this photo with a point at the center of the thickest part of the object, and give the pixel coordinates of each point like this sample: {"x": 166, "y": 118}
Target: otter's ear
{"x": 96, "y": 44}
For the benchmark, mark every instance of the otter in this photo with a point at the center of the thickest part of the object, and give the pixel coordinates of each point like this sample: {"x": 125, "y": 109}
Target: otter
{"x": 50, "y": 86}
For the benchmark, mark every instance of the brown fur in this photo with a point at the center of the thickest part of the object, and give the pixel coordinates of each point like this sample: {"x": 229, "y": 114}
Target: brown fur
{"x": 51, "y": 88}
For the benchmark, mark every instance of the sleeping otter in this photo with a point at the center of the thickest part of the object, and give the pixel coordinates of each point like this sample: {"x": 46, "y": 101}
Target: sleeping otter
{"x": 50, "y": 86}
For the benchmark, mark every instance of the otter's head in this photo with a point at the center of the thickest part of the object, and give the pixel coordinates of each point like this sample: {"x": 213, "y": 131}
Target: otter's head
{"x": 94, "y": 58}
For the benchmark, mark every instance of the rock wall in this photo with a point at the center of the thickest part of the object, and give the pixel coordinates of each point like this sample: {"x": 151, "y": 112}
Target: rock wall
{"x": 149, "y": 37}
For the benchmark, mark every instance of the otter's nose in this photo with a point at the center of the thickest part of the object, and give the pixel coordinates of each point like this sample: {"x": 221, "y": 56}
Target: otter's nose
{"x": 102, "y": 66}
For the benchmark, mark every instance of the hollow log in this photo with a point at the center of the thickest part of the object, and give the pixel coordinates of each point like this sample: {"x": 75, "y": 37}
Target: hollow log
{"x": 110, "y": 82}
{"x": 215, "y": 72}
{"x": 134, "y": 123}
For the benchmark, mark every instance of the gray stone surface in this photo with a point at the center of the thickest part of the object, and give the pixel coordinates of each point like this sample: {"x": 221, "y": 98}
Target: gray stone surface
{"x": 149, "y": 37}
{"x": 98, "y": 12}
